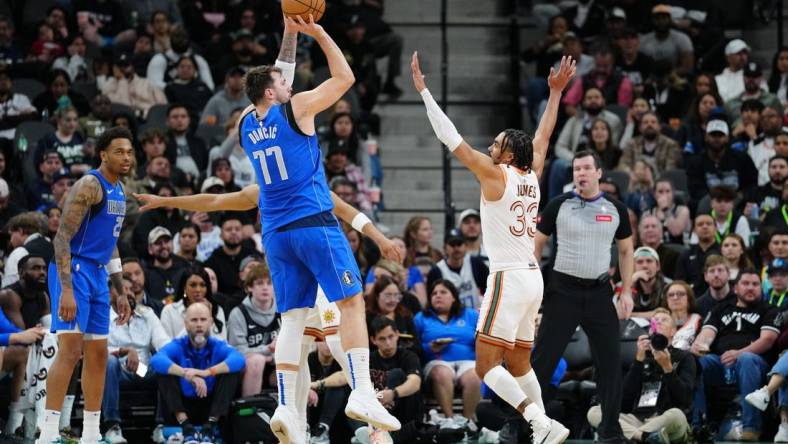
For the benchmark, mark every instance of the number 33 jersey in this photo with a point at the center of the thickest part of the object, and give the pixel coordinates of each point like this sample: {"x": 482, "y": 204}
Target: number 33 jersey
{"x": 509, "y": 224}
{"x": 288, "y": 165}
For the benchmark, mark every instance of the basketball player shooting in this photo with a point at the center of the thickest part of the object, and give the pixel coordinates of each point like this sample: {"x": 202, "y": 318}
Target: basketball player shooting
{"x": 303, "y": 241}
{"x": 86, "y": 253}
{"x": 509, "y": 179}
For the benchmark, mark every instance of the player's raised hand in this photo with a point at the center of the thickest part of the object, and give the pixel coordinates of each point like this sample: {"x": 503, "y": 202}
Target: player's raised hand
{"x": 389, "y": 251}
{"x": 298, "y": 24}
{"x": 418, "y": 77}
{"x": 290, "y": 25}
{"x": 150, "y": 201}
{"x": 566, "y": 71}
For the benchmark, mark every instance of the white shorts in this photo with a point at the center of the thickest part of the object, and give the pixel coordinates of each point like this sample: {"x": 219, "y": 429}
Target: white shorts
{"x": 323, "y": 318}
{"x": 458, "y": 367}
{"x": 507, "y": 317}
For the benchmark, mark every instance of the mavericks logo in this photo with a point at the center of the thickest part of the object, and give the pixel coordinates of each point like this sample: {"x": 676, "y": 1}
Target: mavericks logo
{"x": 347, "y": 278}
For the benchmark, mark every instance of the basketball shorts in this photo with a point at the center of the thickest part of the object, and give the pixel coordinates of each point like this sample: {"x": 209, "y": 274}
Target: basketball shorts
{"x": 91, "y": 294}
{"x": 300, "y": 259}
{"x": 508, "y": 313}
{"x": 323, "y": 318}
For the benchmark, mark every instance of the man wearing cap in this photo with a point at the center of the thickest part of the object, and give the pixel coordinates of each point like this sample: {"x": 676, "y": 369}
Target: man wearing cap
{"x": 631, "y": 61}
{"x": 668, "y": 44}
{"x": 719, "y": 165}
{"x": 163, "y": 269}
{"x": 15, "y": 108}
{"x": 754, "y": 88}
{"x": 467, "y": 273}
{"x": 730, "y": 83}
{"x": 647, "y": 283}
{"x": 778, "y": 278}
{"x": 61, "y": 183}
{"x": 470, "y": 226}
{"x": 49, "y": 165}
{"x": 223, "y": 103}
{"x": 127, "y": 88}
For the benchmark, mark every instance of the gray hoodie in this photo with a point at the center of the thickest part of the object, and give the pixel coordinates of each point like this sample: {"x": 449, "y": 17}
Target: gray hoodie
{"x": 237, "y": 327}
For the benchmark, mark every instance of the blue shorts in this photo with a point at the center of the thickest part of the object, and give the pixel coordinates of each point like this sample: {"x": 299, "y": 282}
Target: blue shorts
{"x": 302, "y": 258}
{"x": 91, "y": 293}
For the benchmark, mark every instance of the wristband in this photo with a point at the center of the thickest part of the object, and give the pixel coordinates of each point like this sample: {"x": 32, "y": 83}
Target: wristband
{"x": 114, "y": 266}
{"x": 359, "y": 221}
{"x": 288, "y": 71}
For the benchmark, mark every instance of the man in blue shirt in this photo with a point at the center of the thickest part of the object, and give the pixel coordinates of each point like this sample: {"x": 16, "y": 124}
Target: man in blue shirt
{"x": 198, "y": 375}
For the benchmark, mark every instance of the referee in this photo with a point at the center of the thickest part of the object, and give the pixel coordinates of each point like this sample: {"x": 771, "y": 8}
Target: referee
{"x": 585, "y": 223}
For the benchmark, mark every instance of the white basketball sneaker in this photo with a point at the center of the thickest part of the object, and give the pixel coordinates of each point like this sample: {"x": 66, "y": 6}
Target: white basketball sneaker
{"x": 365, "y": 407}
{"x": 285, "y": 425}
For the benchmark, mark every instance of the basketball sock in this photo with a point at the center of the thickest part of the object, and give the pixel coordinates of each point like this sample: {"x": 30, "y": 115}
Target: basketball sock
{"x": 530, "y": 386}
{"x": 334, "y": 343}
{"x": 304, "y": 379}
{"x": 16, "y": 413}
{"x": 65, "y": 412}
{"x": 90, "y": 427}
{"x": 49, "y": 426}
{"x": 358, "y": 366}
{"x": 286, "y": 386}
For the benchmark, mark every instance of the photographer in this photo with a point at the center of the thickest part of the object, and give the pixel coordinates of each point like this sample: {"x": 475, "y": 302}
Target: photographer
{"x": 657, "y": 389}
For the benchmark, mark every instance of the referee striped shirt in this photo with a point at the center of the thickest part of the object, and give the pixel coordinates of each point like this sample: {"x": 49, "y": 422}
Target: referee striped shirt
{"x": 584, "y": 231}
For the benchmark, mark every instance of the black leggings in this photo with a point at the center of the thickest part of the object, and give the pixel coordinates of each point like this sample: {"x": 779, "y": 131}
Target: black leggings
{"x": 198, "y": 410}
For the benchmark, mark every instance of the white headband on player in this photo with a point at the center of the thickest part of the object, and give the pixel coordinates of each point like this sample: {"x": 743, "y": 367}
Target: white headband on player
{"x": 441, "y": 124}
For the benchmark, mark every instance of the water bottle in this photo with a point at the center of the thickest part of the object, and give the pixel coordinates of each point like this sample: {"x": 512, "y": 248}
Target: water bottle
{"x": 730, "y": 376}
{"x": 22, "y": 144}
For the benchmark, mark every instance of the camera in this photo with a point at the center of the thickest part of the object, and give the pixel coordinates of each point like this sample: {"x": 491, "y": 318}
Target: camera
{"x": 658, "y": 341}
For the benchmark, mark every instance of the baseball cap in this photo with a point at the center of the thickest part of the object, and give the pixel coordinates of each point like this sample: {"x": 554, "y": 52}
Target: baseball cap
{"x": 661, "y": 9}
{"x": 736, "y": 46}
{"x": 453, "y": 237}
{"x": 647, "y": 252}
{"x": 4, "y": 191}
{"x": 157, "y": 233}
{"x": 61, "y": 174}
{"x": 247, "y": 260}
{"x": 778, "y": 265}
{"x": 211, "y": 182}
{"x": 569, "y": 36}
{"x": 752, "y": 69}
{"x": 236, "y": 71}
{"x": 717, "y": 126}
{"x": 466, "y": 213}
{"x": 618, "y": 13}
{"x": 123, "y": 58}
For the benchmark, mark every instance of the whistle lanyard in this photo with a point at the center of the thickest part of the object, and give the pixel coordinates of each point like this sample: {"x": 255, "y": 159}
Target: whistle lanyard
{"x": 717, "y": 235}
{"x": 785, "y": 214}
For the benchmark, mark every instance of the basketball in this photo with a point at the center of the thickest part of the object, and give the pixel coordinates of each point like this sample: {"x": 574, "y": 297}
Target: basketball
{"x": 295, "y": 8}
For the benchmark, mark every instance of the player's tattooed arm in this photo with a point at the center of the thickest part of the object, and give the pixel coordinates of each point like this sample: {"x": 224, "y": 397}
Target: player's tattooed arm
{"x": 287, "y": 52}
{"x": 85, "y": 193}
{"x": 116, "y": 278}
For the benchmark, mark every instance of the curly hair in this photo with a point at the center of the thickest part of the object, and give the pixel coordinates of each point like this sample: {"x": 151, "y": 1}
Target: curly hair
{"x": 521, "y": 146}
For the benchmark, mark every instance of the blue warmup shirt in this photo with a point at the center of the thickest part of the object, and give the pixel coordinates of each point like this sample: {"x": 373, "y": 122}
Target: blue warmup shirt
{"x": 288, "y": 165}
{"x": 461, "y": 328}
{"x": 179, "y": 351}
{"x": 98, "y": 234}
{"x": 7, "y": 328}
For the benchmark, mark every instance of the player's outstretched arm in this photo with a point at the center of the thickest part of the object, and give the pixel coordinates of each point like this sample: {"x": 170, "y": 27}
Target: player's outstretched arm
{"x": 361, "y": 223}
{"x": 482, "y": 166}
{"x": 557, "y": 81}
{"x": 310, "y": 103}
{"x": 245, "y": 199}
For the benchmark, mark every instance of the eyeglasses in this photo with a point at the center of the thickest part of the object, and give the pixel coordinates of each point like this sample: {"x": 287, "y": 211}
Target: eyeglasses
{"x": 391, "y": 296}
{"x": 676, "y": 294}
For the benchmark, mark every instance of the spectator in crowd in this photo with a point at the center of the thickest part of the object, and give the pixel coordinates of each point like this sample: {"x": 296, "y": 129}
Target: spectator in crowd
{"x": 726, "y": 218}
{"x": 650, "y": 235}
{"x": 662, "y": 152}
{"x": 586, "y": 19}
{"x": 154, "y": 144}
{"x": 225, "y": 102}
{"x": 616, "y": 88}
{"x": 142, "y": 54}
{"x": 230, "y": 149}
{"x": 104, "y": 24}
{"x": 8, "y": 208}
{"x": 160, "y": 28}
{"x": 15, "y": 108}
{"x": 631, "y": 61}
{"x": 50, "y": 164}
{"x": 68, "y": 142}
{"x": 601, "y": 141}
{"x": 45, "y": 48}
{"x": 27, "y": 233}
{"x": 691, "y": 136}
{"x": 75, "y": 61}
{"x": 674, "y": 216}
{"x": 361, "y": 55}
{"x": 469, "y": 225}
{"x": 210, "y": 234}
{"x": 54, "y": 196}
{"x": 668, "y": 376}
{"x": 134, "y": 273}
{"x": 648, "y": 283}
{"x": 162, "y": 67}
{"x": 774, "y": 218}
{"x": 640, "y": 196}
{"x": 418, "y": 240}
{"x": 194, "y": 286}
{"x": 99, "y": 119}
{"x": 26, "y": 302}
{"x": 549, "y": 49}
{"x": 53, "y": 221}
{"x": 668, "y": 44}
{"x": 128, "y": 88}
{"x": 446, "y": 329}
{"x": 668, "y": 91}
{"x": 768, "y": 196}
{"x": 130, "y": 345}
{"x": 264, "y": 32}
{"x": 187, "y": 89}
{"x": 10, "y": 53}
{"x": 169, "y": 218}
{"x": 679, "y": 299}
{"x": 413, "y": 280}
{"x": 763, "y": 148}
{"x": 734, "y": 250}
{"x": 747, "y": 128}
{"x": 387, "y": 300}
{"x": 778, "y": 75}
{"x": 338, "y": 163}
{"x": 58, "y": 95}
{"x": 198, "y": 375}
{"x": 777, "y": 273}
{"x": 226, "y": 260}
{"x": 719, "y": 166}
{"x": 242, "y": 54}
{"x": 188, "y": 240}
{"x": 184, "y": 150}
{"x": 344, "y": 133}
{"x": 640, "y": 106}
{"x": 753, "y": 90}
{"x": 690, "y": 267}
{"x": 58, "y": 19}
{"x": 467, "y": 273}
{"x": 732, "y": 346}
{"x": 164, "y": 269}
{"x": 730, "y": 83}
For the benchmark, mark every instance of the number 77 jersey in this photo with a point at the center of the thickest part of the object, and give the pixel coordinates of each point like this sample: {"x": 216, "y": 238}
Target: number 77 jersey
{"x": 288, "y": 165}
{"x": 509, "y": 224}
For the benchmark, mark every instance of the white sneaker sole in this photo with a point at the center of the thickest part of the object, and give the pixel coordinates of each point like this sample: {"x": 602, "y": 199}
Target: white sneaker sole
{"x": 557, "y": 438}
{"x": 365, "y": 416}
{"x": 282, "y": 433}
{"x": 754, "y": 400}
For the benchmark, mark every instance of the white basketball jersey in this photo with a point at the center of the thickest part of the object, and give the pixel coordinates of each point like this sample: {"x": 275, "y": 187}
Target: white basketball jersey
{"x": 509, "y": 224}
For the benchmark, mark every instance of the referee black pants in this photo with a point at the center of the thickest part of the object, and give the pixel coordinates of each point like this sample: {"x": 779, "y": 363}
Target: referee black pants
{"x": 569, "y": 302}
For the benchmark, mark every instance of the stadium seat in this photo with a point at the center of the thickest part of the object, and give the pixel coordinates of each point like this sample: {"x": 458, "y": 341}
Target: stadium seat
{"x": 212, "y": 135}
{"x": 87, "y": 89}
{"x": 620, "y": 111}
{"x": 29, "y": 87}
{"x": 157, "y": 116}
{"x": 32, "y": 131}
{"x": 578, "y": 352}
{"x": 621, "y": 179}
{"x": 119, "y": 108}
{"x": 630, "y": 331}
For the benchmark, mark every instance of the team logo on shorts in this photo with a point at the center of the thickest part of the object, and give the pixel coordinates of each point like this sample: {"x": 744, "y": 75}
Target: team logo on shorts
{"x": 329, "y": 316}
{"x": 347, "y": 278}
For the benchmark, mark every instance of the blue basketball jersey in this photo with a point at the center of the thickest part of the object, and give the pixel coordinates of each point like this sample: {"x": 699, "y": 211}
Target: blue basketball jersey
{"x": 288, "y": 165}
{"x": 99, "y": 231}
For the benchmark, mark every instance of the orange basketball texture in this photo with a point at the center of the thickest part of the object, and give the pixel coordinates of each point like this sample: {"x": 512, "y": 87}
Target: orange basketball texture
{"x": 303, "y": 8}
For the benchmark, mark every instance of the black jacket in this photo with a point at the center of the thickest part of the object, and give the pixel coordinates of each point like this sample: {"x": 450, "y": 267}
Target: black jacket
{"x": 675, "y": 391}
